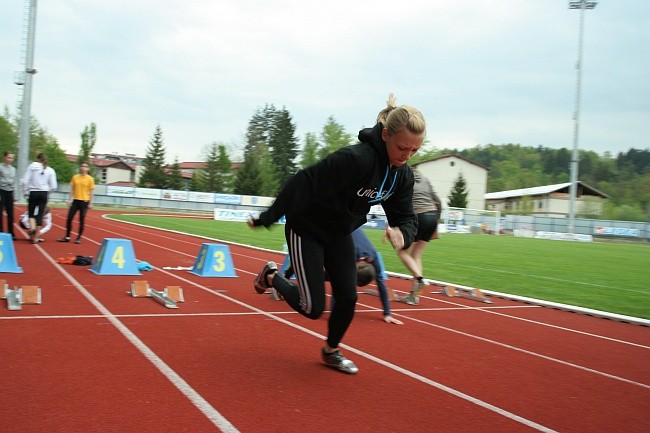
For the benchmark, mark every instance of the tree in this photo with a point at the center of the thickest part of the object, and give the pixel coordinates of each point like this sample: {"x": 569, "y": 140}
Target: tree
{"x": 215, "y": 177}
{"x": 283, "y": 146}
{"x": 8, "y": 135}
{"x": 310, "y": 151}
{"x": 247, "y": 181}
{"x": 458, "y": 193}
{"x": 58, "y": 160}
{"x": 153, "y": 175}
{"x": 269, "y": 131}
{"x": 334, "y": 137}
{"x": 175, "y": 177}
{"x": 88, "y": 140}
{"x": 225, "y": 164}
{"x": 268, "y": 174}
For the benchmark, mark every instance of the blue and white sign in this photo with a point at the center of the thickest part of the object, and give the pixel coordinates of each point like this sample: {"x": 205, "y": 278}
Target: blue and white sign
{"x": 227, "y": 198}
{"x": 615, "y": 231}
{"x": 234, "y": 215}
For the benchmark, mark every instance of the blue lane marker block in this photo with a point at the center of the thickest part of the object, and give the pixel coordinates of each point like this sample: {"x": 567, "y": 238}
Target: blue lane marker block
{"x": 115, "y": 257}
{"x": 383, "y": 275}
{"x": 8, "y": 261}
{"x": 214, "y": 260}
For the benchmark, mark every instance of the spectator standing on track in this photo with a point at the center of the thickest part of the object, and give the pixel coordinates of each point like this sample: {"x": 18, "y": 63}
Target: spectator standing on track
{"x": 7, "y": 180}
{"x": 427, "y": 207}
{"x": 324, "y": 203}
{"x": 82, "y": 186}
{"x": 47, "y": 222}
{"x": 39, "y": 179}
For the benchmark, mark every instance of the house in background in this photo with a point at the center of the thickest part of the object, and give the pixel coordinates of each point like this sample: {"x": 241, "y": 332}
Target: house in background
{"x": 443, "y": 171}
{"x": 548, "y": 200}
{"x": 111, "y": 169}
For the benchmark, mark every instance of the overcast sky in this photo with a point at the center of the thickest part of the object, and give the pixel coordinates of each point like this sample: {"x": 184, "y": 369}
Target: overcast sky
{"x": 482, "y": 72}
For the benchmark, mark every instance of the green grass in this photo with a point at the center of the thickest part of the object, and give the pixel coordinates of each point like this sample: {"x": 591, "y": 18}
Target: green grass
{"x": 612, "y": 277}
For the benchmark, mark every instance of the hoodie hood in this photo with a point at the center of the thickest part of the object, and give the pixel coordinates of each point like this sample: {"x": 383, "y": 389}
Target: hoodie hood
{"x": 35, "y": 166}
{"x": 372, "y": 136}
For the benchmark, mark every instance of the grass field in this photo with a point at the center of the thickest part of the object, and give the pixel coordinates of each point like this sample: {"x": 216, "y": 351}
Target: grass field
{"x": 612, "y": 277}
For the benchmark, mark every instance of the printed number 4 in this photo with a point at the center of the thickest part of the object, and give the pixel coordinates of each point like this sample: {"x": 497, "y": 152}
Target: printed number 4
{"x": 118, "y": 257}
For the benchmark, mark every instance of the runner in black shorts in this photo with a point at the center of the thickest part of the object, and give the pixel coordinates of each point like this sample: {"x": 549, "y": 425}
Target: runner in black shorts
{"x": 427, "y": 207}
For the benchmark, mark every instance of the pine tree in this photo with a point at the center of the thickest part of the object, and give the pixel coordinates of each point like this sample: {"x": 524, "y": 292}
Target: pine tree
{"x": 224, "y": 164}
{"x": 247, "y": 181}
{"x": 310, "y": 151}
{"x": 216, "y": 175}
{"x": 334, "y": 137}
{"x": 270, "y": 131}
{"x": 154, "y": 175}
{"x": 175, "y": 177}
{"x": 458, "y": 193}
{"x": 283, "y": 146}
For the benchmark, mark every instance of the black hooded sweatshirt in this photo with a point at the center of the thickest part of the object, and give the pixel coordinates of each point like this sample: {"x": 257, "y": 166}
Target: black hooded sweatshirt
{"x": 331, "y": 198}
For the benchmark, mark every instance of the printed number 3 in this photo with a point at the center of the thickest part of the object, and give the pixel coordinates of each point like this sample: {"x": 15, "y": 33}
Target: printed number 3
{"x": 219, "y": 261}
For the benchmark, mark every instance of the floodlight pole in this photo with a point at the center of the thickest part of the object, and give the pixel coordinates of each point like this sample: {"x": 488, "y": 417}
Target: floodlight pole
{"x": 24, "y": 78}
{"x": 573, "y": 190}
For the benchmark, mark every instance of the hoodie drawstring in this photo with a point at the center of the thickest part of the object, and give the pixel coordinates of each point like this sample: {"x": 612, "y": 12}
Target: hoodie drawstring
{"x": 382, "y": 195}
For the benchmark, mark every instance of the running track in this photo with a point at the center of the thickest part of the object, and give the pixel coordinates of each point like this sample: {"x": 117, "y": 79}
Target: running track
{"x": 91, "y": 358}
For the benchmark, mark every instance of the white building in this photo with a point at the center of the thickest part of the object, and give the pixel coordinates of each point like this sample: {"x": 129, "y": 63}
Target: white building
{"x": 443, "y": 171}
{"x": 547, "y": 200}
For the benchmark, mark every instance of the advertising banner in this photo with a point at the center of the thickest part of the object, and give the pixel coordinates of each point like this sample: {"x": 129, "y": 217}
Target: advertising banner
{"x": 171, "y": 194}
{"x": 251, "y": 200}
{"x": 202, "y": 197}
{"x": 148, "y": 193}
{"x": 227, "y": 198}
{"x": 120, "y": 191}
{"x": 614, "y": 231}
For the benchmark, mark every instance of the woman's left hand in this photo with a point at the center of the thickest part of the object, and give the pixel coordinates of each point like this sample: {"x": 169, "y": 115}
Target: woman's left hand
{"x": 395, "y": 237}
{"x": 391, "y": 319}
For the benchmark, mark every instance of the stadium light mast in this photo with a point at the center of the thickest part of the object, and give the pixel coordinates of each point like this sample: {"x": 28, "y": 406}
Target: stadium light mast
{"x": 24, "y": 78}
{"x": 583, "y": 5}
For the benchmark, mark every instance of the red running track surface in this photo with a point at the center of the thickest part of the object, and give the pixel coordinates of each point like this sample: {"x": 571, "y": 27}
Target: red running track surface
{"x": 93, "y": 358}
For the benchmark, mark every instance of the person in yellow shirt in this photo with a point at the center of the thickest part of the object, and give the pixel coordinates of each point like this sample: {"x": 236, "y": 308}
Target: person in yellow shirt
{"x": 80, "y": 200}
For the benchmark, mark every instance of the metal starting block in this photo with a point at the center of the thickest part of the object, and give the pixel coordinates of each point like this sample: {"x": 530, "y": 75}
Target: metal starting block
{"x": 24, "y": 295}
{"x": 373, "y": 292}
{"x": 168, "y": 297}
{"x": 463, "y": 292}
{"x": 275, "y": 295}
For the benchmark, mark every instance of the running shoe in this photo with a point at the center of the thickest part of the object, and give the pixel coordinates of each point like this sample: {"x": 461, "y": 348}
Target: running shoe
{"x": 339, "y": 362}
{"x": 260, "y": 283}
{"x": 408, "y": 299}
{"x": 418, "y": 285}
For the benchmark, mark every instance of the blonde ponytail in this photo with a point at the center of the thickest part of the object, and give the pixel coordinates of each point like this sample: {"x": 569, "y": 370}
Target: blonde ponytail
{"x": 397, "y": 118}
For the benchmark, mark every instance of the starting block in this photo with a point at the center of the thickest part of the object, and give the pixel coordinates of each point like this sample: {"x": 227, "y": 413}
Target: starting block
{"x": 24, "y": 295}
{"x": 465, "y": 292}
{"x": 373, "y": 292}
{"x": 168, "y": 297}
{"x": 275, "y": 295}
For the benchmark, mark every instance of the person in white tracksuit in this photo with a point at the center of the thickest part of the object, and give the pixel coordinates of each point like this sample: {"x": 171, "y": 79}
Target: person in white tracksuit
{"x": 47, "y": 222}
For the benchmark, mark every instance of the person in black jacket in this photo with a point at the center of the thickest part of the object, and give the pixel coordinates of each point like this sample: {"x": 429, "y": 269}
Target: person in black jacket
{"x": 325, "y": 202}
